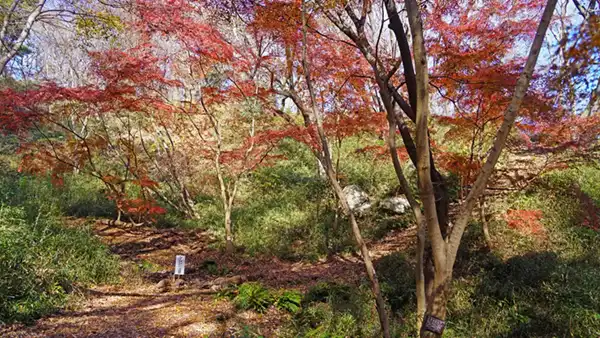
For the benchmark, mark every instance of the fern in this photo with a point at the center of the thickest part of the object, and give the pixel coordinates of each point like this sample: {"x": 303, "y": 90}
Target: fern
{"x": 289, "y": 301}
{"x": 253, "y": 296}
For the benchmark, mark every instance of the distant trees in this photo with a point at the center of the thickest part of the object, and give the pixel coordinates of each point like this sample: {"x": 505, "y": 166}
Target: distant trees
{"x": 18, "y": 18}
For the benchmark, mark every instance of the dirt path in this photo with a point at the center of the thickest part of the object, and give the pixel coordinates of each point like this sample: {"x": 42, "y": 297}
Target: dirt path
{"x": 136, "y": 307}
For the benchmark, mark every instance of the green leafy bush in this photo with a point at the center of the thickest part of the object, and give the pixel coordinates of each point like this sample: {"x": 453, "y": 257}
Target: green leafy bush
{"x": 41, "y": 261}
{"x": 78, "y": 196}
{"x": 253, "y": 296}
{"x": 82, "y": 196}
{"x": 227, "y": 292}
{"x": 288, "y": 210}
{"x": 289, "y": 300}
{"x": 532, "y": 287}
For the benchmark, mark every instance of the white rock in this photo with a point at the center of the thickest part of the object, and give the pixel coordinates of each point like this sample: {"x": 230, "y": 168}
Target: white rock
{"x": 395, "y": 204}
{"x": 358, "y": 200}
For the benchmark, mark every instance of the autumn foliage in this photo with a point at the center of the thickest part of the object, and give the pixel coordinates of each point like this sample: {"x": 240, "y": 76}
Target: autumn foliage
{"x": 526, "y": 221}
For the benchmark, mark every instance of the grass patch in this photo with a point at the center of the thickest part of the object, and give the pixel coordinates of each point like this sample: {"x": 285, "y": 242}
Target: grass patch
{"x": 41, "y": 262}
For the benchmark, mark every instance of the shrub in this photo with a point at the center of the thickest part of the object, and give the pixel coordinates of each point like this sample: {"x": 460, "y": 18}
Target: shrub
{"x": 289, "y": 300}
{"x": 532, "y": 287}
{"x": 82, "y": 196}
{"x": 227, "y": 292}
{"x": 397, "y": 280}
{"x": 288, "y": 210}
{"x": 253, "y": 296}
{"x": 335, "y": 310}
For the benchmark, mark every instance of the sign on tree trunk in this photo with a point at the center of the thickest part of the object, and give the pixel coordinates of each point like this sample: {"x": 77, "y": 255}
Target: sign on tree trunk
{"x": 434, "y": 324}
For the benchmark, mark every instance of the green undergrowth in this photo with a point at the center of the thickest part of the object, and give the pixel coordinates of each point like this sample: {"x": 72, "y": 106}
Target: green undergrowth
{"x": 42, "y": 261}
{"x": 527, "y": 285}
{"x": 533, "y": 285}
{"x": 255, "y": 296}
{"x": 288, "y": 210}
{"x": 325, "y": 310}
{"x": 335, "y": 310}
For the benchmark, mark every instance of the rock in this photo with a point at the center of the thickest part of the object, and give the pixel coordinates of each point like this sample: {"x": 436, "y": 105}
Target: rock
{"x": 358, "y": 200}
{"x": 395, "y": 204}
{"x": 224, "y": 314}
{"x": 163, "y": 286}
{"x": 179, "y": 284}
{"x": 218, "y": 283}
{"x": 230, "y": 280}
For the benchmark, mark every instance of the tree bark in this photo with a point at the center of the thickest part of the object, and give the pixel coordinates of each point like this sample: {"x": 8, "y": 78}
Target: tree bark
{"x": 229, "y": 248}
{"x": 421, "y": 232}
{"x": 484, "y": 223}
{"x": 444, "y": 254}
{"x": 439, "y": 184}
{"x": 423, "y": 152}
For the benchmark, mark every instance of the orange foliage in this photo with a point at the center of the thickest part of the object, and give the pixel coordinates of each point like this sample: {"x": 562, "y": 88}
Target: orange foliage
{"x": 527, "y": 221}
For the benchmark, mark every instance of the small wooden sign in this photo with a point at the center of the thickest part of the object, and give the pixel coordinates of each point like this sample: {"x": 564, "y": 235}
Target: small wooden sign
{"x": 434, "y": 324}
{"x": 179, "y": 265}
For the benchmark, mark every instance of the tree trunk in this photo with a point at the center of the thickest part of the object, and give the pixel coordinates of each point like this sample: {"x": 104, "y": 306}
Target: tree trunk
{"x": 421, "y": 231}
{"x": 25, "y": 31}
{"x": 444, "y": 252}
{"x": 229, "y": 248}
{"x": 420, "y": 274}
{"x": 364, "y": 250}
{"x": 484, "y": 223}
{"x": 502, "y": 134}
{"x": 436, "y": 306}
{"x": 325, "y": 159}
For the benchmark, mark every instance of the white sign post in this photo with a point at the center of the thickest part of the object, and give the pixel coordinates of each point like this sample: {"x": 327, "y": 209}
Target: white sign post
{"x": 179, "y": 265}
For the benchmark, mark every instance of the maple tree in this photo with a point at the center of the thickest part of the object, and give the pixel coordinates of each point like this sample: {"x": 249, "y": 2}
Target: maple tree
{"x": 473, "y": 60}
{"x": 137, "y": 128}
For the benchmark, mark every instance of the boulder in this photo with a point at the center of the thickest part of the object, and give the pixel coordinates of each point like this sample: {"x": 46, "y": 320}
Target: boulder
{"x": 395, "y": 204}
{"x": 163, "y": 286}
{"x": 357, "y": 199}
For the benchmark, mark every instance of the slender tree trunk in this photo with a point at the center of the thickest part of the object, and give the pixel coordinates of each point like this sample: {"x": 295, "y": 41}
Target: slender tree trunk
{"x": 366, "y": 255}
{"x": 325, "y": 159}
{"x": 421, "y": 231}
{"x": 502, "y": 134}
{"x": 229, "y": 248}
{"x": 484, "y": 223}
{"x": 436, "y": 306}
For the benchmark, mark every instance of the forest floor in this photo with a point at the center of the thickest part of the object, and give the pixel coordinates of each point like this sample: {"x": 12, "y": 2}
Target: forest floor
{"x": 140, "y": 306}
